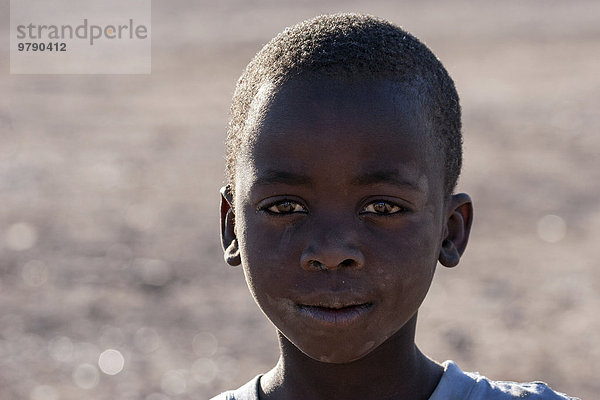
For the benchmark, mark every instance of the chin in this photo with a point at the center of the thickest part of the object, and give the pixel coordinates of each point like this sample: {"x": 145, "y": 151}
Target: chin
{"x": 343, "y": 355}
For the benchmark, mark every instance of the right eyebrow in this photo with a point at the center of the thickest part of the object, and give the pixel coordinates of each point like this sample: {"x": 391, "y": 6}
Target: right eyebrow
{"x": 271, "y": 177}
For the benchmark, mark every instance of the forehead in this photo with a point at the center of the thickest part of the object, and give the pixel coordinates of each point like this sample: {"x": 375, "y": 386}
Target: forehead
{"x": 377, "y": 124}
{"x": 360, "y": 101}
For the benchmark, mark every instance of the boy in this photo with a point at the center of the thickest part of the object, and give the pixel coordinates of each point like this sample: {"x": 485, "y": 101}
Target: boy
{"x": 343, "y": 153}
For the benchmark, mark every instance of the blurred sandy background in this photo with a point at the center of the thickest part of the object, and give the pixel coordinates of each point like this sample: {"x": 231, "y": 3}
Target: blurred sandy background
{"x": 109, "y": 199}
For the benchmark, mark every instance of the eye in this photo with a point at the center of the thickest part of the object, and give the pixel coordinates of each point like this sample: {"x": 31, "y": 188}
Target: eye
{"x": 285, "y": 207}
{"x": 382, "y": 207}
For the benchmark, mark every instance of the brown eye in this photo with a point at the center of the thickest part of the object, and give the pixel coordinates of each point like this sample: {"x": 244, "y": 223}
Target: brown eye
{"x": 382, "y": 207}
{"x": 286, "y": 207}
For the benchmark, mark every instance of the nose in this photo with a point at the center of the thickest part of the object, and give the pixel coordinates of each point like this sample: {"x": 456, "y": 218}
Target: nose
{"x": 332, "y": 250}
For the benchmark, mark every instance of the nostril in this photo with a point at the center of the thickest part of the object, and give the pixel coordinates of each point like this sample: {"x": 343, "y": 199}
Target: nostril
{"x": 329, "y": 258}
{"x": 317, "y": 265}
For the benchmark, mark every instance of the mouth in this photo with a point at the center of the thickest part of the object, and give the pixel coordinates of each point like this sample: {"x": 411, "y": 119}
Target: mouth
{"x": 335, "y": 314}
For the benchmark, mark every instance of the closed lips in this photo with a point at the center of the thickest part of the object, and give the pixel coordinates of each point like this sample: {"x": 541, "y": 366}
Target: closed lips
{"x": 335, "y": 314}
{"x": 336, "y": 307}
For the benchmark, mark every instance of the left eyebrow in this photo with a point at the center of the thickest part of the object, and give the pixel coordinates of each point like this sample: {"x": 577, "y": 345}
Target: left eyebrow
{"x": 391, "y": 177}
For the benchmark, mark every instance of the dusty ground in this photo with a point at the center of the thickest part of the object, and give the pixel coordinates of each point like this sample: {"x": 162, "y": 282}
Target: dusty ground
{"x": 108, "y": 216}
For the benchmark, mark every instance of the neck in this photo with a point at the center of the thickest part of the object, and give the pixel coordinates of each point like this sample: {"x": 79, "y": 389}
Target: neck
{"x": 394, "y": 370}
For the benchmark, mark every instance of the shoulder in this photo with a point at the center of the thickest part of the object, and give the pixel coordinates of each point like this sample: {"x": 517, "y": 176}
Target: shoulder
{"x": 458, "y": 385}
{"x": 247, "y": 392}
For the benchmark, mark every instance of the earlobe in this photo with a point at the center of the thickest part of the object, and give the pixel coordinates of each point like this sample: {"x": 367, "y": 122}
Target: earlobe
{"x": 459, "y": 218}
{"x": 229, "y": 240}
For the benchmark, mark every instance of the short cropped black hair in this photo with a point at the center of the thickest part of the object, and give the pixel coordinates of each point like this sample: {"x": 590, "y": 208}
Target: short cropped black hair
{"x": 353, "y": 46}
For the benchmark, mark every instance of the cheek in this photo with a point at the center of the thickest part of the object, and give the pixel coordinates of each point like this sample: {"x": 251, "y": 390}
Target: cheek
{"x": 269, "y": 245}
{"x": 406, "y": 261}
{"x": 271, "y": 262}
{"x": 412, "y": 245}
{"x": 270, "y": 254}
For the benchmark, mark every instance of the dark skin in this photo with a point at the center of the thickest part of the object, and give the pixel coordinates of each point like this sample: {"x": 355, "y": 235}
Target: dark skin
{"x": 340, "y": 219}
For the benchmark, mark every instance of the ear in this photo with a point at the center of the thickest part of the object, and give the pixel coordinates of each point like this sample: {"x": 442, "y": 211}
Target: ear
{"x": 459, "y": 216}
{"x": 228, "y": 237}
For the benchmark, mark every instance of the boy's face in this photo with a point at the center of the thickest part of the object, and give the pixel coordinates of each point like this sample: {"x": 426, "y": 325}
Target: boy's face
{"x": 340, "y": 213}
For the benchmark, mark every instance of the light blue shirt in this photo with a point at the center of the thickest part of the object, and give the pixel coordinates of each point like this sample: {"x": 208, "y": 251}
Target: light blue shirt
{"x": 454, "y": 385}
{"x": 458, "y": 385}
